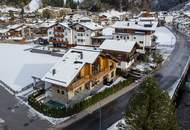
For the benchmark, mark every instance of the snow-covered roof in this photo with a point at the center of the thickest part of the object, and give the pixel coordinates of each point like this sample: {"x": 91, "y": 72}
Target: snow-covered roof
{"x": 15, "y": 26}
{"x": 108, "y": 31}
{"x": 19, "y": 65}
{"x": 70, "y": 65}
{"x": 112, "y": 13}
{"x": 4, "y": 30}
{"x": 136, "y": 25}
{"x": 91, "y": 25}
{"x": 46, "y": 24}
{"x": 4, "y": 18}
{"x": 6, "y": 9}
{"x": 65, "y": 24}
{"x": 118, "y": 45}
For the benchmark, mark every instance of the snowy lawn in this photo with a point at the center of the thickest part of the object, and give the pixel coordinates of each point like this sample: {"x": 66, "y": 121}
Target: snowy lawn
{"x": 165, "y": 38}
{"x": 18, "y": 65}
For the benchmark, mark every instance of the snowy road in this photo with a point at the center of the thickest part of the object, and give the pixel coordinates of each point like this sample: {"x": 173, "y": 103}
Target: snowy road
{"x": 17, "y": 116}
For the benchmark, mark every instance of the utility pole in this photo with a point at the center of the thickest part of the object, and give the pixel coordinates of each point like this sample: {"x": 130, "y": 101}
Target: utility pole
{"x": 100, "y": 117}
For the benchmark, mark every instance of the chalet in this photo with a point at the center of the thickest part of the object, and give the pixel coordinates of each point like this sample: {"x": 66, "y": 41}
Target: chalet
{"x": 41, "y": 28}
{"x": 83, "y": 32}
{"x": 19, "y": 31}
{"x": 81, "y": 71}
{"x": 123, "y": 50}
{"x": 142, "y": 32}
{"x": 111, "y": 17}
{"x": 60, "y": 34}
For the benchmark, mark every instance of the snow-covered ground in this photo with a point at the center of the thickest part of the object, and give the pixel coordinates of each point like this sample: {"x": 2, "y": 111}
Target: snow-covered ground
{"x": 18, "y": 65}
{"x": 165, "y": 38}
{"x": 165, "y": 41}
{"x": 114, "y": 126}
{"x": 119, "y": 79}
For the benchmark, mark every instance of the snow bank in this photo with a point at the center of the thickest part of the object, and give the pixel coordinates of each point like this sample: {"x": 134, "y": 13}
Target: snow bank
{"x": 114, "y": 126}
{"x": 18, "y": 65}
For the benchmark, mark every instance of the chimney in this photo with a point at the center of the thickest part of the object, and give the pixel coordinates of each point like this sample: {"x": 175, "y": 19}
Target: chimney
{"x": 81, "y": 55}
{"x": 53, "y": 71}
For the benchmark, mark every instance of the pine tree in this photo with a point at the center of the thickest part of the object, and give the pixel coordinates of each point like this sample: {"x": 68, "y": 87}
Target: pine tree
{"x": 150, "y": 109}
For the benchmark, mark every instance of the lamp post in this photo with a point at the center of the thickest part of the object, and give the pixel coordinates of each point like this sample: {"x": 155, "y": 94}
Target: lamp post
{"x": 100, "y": 116}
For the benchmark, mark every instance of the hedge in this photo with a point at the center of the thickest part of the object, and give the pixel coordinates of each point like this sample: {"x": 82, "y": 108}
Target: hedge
{"x": 64, "y": 112}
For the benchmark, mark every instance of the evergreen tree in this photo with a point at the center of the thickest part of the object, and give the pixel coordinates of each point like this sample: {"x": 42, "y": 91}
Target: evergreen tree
{"x": 71, "y": 4}
{"x": 22, "y": 13}
{"x": 150, "y": 109}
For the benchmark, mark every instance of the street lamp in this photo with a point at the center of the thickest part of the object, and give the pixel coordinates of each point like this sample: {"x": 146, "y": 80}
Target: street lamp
{"x": 100, "y": 116}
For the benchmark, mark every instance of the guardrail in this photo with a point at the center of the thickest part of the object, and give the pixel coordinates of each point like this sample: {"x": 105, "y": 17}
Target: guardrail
{"x": 181, "y": 79}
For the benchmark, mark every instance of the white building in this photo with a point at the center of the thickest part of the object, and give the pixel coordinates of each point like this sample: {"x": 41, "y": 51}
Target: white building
{"x": 84, "y": 31}
{"x": 142, "y": 32}
{"x": 60, "y": 34}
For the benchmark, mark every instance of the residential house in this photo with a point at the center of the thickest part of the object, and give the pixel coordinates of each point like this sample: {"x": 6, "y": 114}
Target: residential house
{"x": 83, "y": 32}
{"x": 60, "y": 34}
{"x": 123, "y": 50}
{"x": 80, "y": 72}
{"x": 142, "y": 32}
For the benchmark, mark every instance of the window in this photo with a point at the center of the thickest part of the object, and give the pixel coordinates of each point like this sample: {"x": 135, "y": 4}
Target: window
{"x": 117, "y": 36}
{"x": 127, "y": 37}
{"x": 87, "y": 86}
{"x": 62, "y": 92}
{"x": 49, "y": 33}
{"x": 134, "y": 37}
{"x": 112, "y": 74}
{"x": 58, "y": 91}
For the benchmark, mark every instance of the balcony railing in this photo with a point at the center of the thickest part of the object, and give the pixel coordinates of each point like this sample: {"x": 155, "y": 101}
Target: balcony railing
{"x": 100, "y": 74}
{"x": 59, "y": 35}
{"x": 58, "y": 30}
{"x": 57, "y": 41}
{"x": 79, "y": 82}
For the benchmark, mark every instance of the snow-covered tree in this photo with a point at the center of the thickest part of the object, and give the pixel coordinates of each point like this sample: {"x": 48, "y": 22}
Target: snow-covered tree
{"x": 150, "y": 109}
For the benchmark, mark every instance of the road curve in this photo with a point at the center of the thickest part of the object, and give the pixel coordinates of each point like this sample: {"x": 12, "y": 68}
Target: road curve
{"x": 175, "y": 64}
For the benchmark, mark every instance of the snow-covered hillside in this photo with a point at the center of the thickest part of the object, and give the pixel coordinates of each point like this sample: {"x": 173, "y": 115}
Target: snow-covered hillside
{"x": 33, "y": 5}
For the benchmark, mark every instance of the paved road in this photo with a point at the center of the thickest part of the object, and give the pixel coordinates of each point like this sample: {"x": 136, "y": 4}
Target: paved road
{"x": 16, "y": 115}
{"x": 173, "y": 68}
{"x": 166, "y": 76}
{"x": 109, "y": 115}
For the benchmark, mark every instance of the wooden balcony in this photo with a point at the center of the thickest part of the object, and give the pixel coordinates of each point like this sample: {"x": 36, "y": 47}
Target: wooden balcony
{"x": 79, "y": 82}
{"x": 80, "y": 30}
{"x": 59, "y": 35}
{"x": 58, "y": 30}
{"x": 57, "y": 41}
{"x": 100, "y": 74}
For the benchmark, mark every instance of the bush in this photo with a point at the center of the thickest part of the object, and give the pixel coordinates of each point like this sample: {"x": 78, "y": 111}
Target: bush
{"x": 64, "y": 112}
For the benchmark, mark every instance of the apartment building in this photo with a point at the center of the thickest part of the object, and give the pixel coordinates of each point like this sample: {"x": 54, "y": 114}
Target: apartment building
{"x": 60, "y": 34}
{"x": 142, "y": 32}
{"x": 83, "y": 32}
